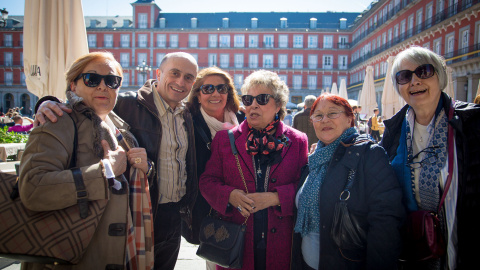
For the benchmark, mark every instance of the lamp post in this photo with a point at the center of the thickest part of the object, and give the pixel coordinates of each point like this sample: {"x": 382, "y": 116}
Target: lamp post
{"x": 3, "y": 20}
{"x": 143, "y": 69}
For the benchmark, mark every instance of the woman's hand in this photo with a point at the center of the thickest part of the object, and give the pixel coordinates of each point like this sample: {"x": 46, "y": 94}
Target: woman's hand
{"x": 138, "y": 158}
{"x": 117, "y": 158}
{"x": 264, "y": 200}
{"x": 49, "y": 109}
{"x": 241, "y": 202}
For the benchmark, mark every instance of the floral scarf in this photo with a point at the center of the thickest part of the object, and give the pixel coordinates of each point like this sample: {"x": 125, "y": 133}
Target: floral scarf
{"x": 264, "y": 143}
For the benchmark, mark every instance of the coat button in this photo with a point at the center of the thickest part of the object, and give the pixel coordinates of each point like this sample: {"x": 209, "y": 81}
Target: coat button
{"x": 279, "y": 217}
{"x": 274, "y": 180}
{"x": 273, "y": 230}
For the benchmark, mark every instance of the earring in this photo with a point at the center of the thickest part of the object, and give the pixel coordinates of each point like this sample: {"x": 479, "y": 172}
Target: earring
{"x": 276, "y": 116}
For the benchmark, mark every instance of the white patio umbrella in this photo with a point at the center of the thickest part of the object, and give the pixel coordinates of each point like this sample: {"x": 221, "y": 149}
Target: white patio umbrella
{"x": 368, "y": 100}
{"x": 392, "y": 102}
{"x": 478, "y": 89}
{"x": 54, "y": 35}
{"x": 334, "y": 90}
{"x": 343, "y": 89}
{"x": 449, "y": 89}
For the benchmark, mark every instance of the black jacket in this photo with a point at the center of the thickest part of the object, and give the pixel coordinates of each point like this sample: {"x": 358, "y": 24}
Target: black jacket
{"x": 466, "y": 123}
{"x": 375, "y": 200}
{"x": 139, "y": 111}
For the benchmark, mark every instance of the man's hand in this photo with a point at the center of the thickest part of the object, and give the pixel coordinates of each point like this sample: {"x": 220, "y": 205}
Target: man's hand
{"x": 50, "y": 110}
{"x": 117, "y": 158}
{"x": 138, "y": 158}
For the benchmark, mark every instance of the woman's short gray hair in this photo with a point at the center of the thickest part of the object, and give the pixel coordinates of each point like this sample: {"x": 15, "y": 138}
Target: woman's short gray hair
{"x": 420, "y": 56}
{"x": 272, "y": 81}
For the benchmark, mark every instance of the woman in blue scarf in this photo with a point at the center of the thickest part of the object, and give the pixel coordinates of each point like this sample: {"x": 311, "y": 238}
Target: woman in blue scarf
{"x": 375, "y": 197}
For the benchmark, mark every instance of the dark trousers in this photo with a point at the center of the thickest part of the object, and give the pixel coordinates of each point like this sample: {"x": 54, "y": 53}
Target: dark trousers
{"x": 376, "y": 135}
{"x": 167, "y": 236}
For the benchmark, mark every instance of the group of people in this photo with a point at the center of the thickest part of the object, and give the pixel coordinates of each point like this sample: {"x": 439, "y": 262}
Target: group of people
{"x": 284, "y": 192}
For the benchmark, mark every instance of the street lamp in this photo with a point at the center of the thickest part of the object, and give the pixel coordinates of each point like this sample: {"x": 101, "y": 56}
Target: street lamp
{"x": 3, "y": 20}
{"x": 143, "y": 69}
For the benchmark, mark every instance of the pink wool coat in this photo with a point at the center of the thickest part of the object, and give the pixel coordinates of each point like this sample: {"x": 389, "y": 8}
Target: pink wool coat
{"x": 221, "y": 177}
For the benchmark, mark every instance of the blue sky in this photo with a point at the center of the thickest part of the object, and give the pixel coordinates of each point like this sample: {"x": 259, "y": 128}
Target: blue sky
{"x": 123, "y": 7}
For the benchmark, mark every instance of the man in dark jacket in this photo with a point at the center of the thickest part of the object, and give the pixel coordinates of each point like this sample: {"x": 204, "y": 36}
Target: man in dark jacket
{"x": 301, "y": 120}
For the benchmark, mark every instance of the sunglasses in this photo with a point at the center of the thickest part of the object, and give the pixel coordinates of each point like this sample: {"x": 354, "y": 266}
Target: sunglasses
{"x": 210, "y": 88}
{"x": 423, "y": 72}
{"x": 94, "y": 79}
{"x": 262, "y": 99}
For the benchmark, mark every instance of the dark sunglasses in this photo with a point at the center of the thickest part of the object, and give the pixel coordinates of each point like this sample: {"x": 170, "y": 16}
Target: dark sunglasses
{"x": 210, "y": 88}
{"x": 423, "y": 72}
{"x": 262, "y": 99}
{"x": 94, "y": 79}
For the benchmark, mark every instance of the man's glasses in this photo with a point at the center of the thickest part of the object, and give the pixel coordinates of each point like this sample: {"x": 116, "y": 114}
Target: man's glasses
{"x": 430, "y": 157}
{"x": 94, "y": 79}
{"x": 210, "y": 88}
{"x": 262, "y": 99}
{"x": 331, "y": 115}
{"x": 423, "y": 72}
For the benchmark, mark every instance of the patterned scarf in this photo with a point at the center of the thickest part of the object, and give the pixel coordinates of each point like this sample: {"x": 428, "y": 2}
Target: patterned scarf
{"x": 264, "y": 143}
{"x": 308, "y": 217}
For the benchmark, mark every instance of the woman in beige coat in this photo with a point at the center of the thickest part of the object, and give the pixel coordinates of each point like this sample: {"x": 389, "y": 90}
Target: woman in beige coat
{"x": 46, "y": 179}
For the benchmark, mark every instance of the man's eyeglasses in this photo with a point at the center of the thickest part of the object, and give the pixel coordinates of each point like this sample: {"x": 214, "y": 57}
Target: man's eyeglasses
{"x": 262, "y": 99}
{"x": 332, "y": 115}
{"x": 423, "y": 72}
{"x": 94, "y": 79}
{"x": 429, "y": 158}
{"x": 210, "y": 88}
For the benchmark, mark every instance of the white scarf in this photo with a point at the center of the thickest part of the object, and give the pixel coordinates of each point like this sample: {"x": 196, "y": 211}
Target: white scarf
{"x": 214, "y": 125}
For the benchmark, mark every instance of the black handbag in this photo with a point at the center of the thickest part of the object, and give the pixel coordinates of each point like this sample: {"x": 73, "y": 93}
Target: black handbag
{"x": 346, "y": 231}
{"x": 222, "y": 242}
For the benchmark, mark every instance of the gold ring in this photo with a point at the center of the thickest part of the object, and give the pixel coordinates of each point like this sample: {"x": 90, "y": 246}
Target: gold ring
{"x": 138, "y": 160}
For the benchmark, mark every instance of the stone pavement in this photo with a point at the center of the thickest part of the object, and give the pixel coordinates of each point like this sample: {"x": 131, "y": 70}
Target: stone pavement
{"x": 187, "y": 259}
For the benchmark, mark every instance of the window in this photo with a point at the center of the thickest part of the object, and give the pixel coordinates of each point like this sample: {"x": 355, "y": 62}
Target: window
{"x": 327, "y": 62}
{"x": 440, "y": 5}
{"x": 312, "y": 41}
{"x": 297, "y": 61}
{"x": 268, "y": 61}
{"x": 224, "y": 60}
{"x": 161, "y": 40}
{"x": 225, "y": 22}
{"x": 92, "y": 40}
{"x": 124, "y": 41}
{"x": 159, "y": 57}
{"x": 312, "y": 82}
{"x": 298, "y": 41}
{"x": 283, "y": 41}
{"x": 21, "y": 61}
{"x": 253, "y": 41}
{"x": 297, "y": 81}
{"x": 193, "y": 40}
{"x": 343, "y": 42}
{"x": 376, "y": 70}
{"x": 239, "y": 41}
{"x": 224, "y": 41}
{"x": 126, "y": 79}
{"x": 22, "y": 78}
{"x": 108, "y": 40}
{"x": 142, "y": 57}
{"x": 327, "y": 81}
{"x": 419, "y": 21}
{"x": 464, "y": 34}
{"x": 450, "y": 45}
{"x": 268, "y": 41}
{"x": 212, "y": 41}
{"x": 7, "y": 40}
{"x": 212, "y": 59}
{"x": 142, "y": 41}
{"x": 142, "y": 20}
{"x": 342, "y": 61}
{"x": 8, "y": 59}
{"x": 238, "y": 81}
{"x": 141, "y": 78}
{"x": 125, "y": 60}
{"x": 312, "y": 61}
{"x": 283, "y": 78}
{"x": 437, "y": 46}
{"x": 282, "y": 60}
{"x": 327, "y": 41}
{"x": 8, "y": 78}
{"x": 195, "y": 55}
{"x": 173, "y": 41}
{"x": 253, "y": 61}
{"x": 254, "y": 23}
{"x": 410, "y": 25}
{"x": 239, "y": 60}
{"x": 283, "y": 22}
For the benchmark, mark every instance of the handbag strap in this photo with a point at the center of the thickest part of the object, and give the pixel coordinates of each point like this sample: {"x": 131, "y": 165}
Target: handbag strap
{"x": 235, "y": 153}
{"x": 450, "y": 156}
{"x": 202, "y": 133}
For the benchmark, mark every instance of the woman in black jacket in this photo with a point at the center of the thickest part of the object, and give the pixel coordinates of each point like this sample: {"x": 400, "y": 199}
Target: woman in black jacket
{"x": 416, "y": 141}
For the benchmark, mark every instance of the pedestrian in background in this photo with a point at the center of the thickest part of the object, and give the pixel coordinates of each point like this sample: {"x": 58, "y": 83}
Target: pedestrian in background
{"x": 302, "y": 122}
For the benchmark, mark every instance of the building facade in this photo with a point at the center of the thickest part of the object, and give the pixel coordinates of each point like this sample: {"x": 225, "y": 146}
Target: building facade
{"x": 309, "y": 51}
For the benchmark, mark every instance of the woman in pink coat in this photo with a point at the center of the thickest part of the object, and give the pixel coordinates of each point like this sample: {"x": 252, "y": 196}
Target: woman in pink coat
{"x": 271, "y": 157}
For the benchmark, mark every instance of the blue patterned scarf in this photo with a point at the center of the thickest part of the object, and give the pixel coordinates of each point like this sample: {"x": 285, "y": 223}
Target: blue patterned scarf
{"x": 308, "y": 217}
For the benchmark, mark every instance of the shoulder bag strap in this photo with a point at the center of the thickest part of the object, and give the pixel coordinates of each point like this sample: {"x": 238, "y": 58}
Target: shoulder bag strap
{"x": 235, "y": 153}
{"x": 450, "y": 156}
{"x": 203, "y": 135}
{"x": 351, "y": 176}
